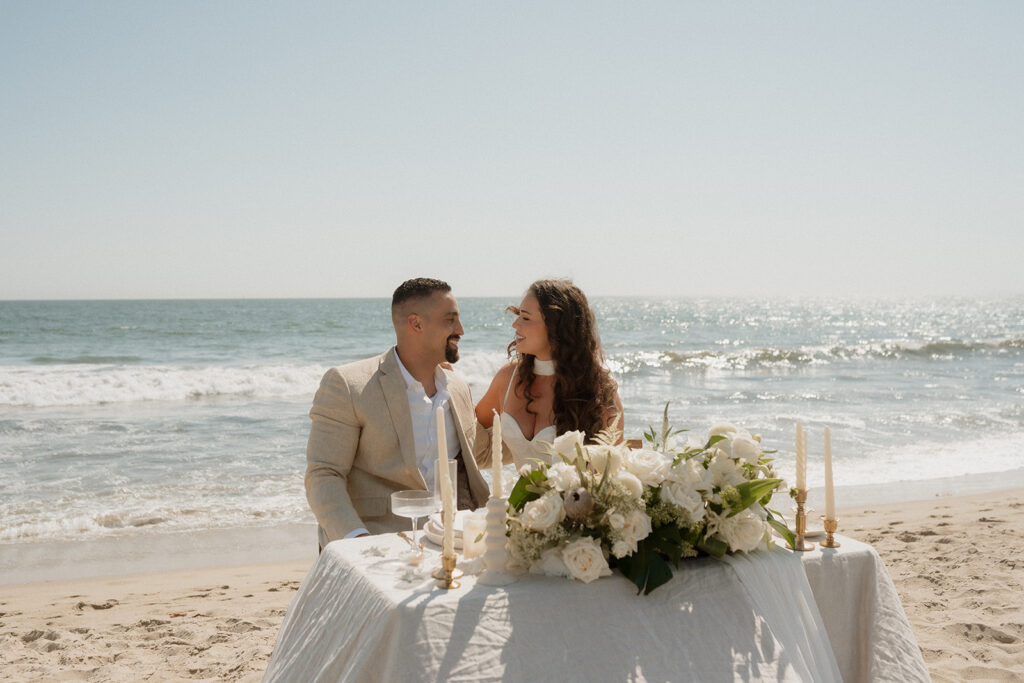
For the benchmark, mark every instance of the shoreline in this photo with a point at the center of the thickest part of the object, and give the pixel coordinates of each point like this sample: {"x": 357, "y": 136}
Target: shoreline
{"x": 954, "y": 561}
{"x": 153, "y": 551}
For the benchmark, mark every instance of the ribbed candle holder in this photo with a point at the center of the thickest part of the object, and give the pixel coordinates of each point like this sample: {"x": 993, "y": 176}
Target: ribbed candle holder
{"x": 495, "y": 554}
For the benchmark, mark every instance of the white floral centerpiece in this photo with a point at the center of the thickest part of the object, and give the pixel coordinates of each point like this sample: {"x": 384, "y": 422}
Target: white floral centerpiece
{"x": 602, "y": 505}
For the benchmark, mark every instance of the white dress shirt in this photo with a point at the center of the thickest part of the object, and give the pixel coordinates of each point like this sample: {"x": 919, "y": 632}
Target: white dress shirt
{"x": 422, "y": 409}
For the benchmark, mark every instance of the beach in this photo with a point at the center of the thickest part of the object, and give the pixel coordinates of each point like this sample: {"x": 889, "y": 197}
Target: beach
{"x": 155, "y": 524}
{"x": 955, "y": 561}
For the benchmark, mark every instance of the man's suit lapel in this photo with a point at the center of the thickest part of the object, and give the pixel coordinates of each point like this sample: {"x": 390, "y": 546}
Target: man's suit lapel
{"x": 462, "y": 411}
{"x": 397, "y": 399}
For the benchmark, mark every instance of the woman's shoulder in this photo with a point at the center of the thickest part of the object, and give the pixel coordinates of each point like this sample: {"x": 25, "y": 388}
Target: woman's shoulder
{"x": 505, "y": 371}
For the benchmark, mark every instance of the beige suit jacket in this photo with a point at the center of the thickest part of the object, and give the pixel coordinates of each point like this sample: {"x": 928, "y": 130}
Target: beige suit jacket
{"x": 361, "y": 448}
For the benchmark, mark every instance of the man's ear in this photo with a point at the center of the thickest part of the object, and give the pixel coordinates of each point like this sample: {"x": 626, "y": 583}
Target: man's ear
{"x": 415, "y": 322}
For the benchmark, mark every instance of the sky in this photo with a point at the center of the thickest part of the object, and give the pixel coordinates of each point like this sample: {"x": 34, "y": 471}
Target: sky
{"x": 333, "y": 149}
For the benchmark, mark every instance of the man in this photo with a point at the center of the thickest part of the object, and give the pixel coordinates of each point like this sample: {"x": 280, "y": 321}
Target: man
{"x": 374, "y": 427}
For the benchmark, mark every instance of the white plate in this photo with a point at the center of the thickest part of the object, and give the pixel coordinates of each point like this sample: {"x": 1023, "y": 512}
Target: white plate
{"x": 435, "y": 534}
{"x": 460, "y": 516}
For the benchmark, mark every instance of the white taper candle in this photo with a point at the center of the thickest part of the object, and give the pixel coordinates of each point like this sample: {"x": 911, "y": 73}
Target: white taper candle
{"x": 830, "y": 497}
{"x": 801, "y": 457}
{"x": 496, "y": 481}
{"x": 447, "y": 512}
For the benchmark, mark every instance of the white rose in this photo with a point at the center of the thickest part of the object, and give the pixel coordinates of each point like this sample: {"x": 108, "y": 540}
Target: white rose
{"x": 744, "y": 531}
{"x": 621, "y": 549}
{"x": 603, "y": 458}
{"x": 550, "y": 564}
{"x": 584, "y": 560}
{"x": 565, "y": 444}
{"x": 692, "y": 472}
{"x": 541, "y": 514}
{"x": 725, "y": 429}
{"x": 685, "y": 496}
{"x": 616, "y": 520}
{"x": 746, "y": 450}
{"x": 629, "y": 482}
{"x": 637, "y": 528}
{"x": 723, "y": 446}
{"x": 724, "y": 471}
{"x": 650, "y": 467}
{"x": 562, "y": 476}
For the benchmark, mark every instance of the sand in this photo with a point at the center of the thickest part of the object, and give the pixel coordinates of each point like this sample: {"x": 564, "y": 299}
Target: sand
{"x": 209, "y": 624}
{"x": 956, "y": 562}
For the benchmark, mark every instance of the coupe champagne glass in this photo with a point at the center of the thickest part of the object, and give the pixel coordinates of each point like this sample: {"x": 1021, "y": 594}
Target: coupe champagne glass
{"x": 413, "y": 504}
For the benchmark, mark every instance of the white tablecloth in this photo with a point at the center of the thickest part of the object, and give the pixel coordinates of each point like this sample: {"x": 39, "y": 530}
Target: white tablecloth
{"x": 355, "y": 619}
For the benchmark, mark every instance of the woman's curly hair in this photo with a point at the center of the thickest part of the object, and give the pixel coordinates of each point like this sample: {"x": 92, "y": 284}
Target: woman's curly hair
{"x": 584, "y": 389}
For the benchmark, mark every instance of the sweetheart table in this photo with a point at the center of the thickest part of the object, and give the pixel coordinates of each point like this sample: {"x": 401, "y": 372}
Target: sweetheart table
{"x": 360, "y": 615}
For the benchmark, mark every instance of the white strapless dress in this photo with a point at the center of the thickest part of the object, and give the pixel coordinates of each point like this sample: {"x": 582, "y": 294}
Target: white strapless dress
{"x": 525, "y": 451}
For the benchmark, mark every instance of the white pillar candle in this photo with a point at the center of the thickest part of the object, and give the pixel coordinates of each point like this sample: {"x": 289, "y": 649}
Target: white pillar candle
{"x": 447, "y": 513}
{"x": 496, "y": 482}
{"x": 830, "y": 498}
{"x": 801, "y": 458}
{"x": 474, "y": 526}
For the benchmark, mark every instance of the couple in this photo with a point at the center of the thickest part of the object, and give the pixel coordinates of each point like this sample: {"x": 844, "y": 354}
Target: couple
{"x": 373, "y": 428}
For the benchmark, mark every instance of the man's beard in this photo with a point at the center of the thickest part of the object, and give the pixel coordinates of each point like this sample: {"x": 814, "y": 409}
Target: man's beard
{"x": 451, "y": 353}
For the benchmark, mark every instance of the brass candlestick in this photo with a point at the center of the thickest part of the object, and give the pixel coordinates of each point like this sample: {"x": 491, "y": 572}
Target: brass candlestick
{"x": 439, "y": 573}
{"x": 801, "y": 522}
{"x": 830, "y": 529}
{"x": 447, "y": 575}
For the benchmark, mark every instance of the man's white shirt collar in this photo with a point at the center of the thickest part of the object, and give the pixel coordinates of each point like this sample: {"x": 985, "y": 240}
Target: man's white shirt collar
{"x": 440, "y": 379}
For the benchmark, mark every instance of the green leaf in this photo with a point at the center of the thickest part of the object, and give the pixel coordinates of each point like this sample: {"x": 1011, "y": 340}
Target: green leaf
{"x": 635, "y": 567}
{"x": 780, "y": 526}
{"x": 713, "y": 440}
{"x": 658, "y": 573}
{"x": 752, "y": 491}
{"x": 646, "y": 568}
{"x": 525, "y": 490}
{"x": 712, "y": 546}
{"x": 668, "y": 541}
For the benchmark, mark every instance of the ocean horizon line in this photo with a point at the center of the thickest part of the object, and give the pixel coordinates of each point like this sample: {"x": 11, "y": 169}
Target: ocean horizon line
{"x": 666, "y": 297}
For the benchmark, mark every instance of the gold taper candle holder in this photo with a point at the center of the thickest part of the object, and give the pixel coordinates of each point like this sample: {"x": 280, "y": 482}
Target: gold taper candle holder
{"x": 830, "y": 529}
{"x": 447, "y": 575}
{"x": 801, "y": 522}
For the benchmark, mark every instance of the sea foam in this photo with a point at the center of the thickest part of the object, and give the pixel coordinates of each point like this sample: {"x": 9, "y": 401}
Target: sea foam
{"x": 82, "y": 385}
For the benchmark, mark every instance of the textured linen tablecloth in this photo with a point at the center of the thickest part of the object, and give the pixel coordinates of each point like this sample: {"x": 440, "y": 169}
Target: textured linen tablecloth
{"x": 753, "y": 617}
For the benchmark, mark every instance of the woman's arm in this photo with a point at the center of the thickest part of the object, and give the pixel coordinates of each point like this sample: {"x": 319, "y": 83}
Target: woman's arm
{"x": 495, "y": 396}
{"x": 615, "y": 416}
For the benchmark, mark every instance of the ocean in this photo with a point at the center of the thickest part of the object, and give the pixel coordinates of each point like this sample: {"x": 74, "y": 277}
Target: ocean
{"x": 132, "y": 418}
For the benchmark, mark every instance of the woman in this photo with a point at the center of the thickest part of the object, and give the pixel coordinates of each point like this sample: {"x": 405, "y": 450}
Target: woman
{"x": 557, "y": 381}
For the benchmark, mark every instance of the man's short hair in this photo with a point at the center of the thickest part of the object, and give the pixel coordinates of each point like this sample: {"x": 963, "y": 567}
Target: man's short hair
{"x": 412, "y": 290}
{"x": 418, "y": 288}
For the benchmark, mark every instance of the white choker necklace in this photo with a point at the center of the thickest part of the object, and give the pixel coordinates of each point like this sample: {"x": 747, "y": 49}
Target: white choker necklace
{"x": 543, "y": 368}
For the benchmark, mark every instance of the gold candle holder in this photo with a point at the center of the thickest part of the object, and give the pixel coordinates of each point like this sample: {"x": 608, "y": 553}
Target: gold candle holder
{"x": 447, "y": 575}
{"x": 830, "y": 529}
{"x": 801, "y": 522}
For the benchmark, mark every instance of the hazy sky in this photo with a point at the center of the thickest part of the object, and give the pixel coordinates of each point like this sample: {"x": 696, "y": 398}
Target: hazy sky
{"x": 243, "y": 149}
